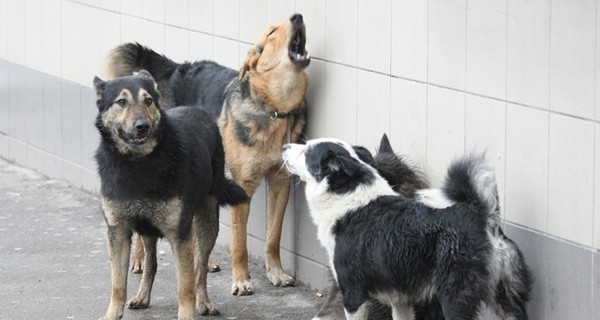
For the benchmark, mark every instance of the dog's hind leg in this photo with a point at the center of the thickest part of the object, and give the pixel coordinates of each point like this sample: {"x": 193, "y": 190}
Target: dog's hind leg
{"x": 183, "y": 250}
{"x": 279, "y": 191}
{"x": 142, "y": 299}
{"x": 240, "y": 276}
{"x": 206, "y": 229}
{"x": 119, "y": 247}
{"x": 137, "y": 263}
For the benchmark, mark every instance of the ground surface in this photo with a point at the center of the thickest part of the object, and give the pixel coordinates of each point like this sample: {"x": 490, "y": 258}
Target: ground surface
{"x": 54, "y": 262}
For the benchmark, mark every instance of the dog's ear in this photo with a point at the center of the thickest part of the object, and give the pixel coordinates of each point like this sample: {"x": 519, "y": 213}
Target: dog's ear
{"x": 251, "y": 60}
{"x": 384, "y": 145}
{"x": 342, "y": 163}
{"x": 144, "y": 75}
{"x": 99, "y": 85}
{"x": 364, "y": 155}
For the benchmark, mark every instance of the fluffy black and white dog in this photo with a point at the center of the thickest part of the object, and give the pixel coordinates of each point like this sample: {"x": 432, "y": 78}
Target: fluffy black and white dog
{"x": 403, "y": 252}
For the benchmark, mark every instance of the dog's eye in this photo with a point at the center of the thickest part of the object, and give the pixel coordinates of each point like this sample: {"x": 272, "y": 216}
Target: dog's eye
{"x": 122, "y": 102}
{"x": 272, "y": 31}
{"x": 148, "y": 101}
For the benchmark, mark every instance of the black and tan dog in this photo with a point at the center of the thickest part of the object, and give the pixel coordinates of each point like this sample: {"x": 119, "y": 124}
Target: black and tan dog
{"x": 258, "y": 109}
{"x": 162, "y": 174}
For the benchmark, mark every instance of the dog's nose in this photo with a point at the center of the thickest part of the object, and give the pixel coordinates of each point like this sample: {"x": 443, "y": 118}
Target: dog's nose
{"x": 142, "y": 125}
{"x": 296, "y": 19}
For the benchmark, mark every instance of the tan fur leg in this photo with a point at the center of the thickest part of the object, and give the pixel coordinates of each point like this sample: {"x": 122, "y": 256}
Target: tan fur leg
{"x": 137, "y": 263}
{"x": 240, "y": 277}
{"x": 142, "y": 299}
{"x": 279, "y": 191}
{"x": 183, "y": 250}
{"x": 206, "y": 229}
{"x": 119, "y": 247}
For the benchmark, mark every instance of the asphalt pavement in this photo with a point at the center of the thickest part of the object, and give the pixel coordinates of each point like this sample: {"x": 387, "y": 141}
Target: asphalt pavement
{"x": 54, "y": 262}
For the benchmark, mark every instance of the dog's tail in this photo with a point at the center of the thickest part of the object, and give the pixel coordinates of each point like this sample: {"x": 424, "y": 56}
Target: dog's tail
{"x": 233, "y": 194}
{"x": 471, "y": 179}
{"x": 132, "y": 57}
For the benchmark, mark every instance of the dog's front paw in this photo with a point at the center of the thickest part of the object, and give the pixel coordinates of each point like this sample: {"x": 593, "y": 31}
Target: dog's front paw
{"x": 279, "y": 278}
{"x": 111, "y": 317}
{"x": 242, "y": 288}
{"x": 207, "y": 309}
{"x": 139, "y": 303}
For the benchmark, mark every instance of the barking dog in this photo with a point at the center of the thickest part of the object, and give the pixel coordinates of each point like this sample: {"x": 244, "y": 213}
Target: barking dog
{"x": 258, "y": 109}
{"x": 402, "y": 251}
{"x": 162, "y": 174}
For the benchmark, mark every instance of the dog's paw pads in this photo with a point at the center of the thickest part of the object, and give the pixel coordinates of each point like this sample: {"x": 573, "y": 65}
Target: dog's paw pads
{"x": 138, "y": 303}
{"x": 208, "y": 309}
{"x": 242, "y": 288}
{"x": 136, "y": 267}
{"x": 279, "y": 279}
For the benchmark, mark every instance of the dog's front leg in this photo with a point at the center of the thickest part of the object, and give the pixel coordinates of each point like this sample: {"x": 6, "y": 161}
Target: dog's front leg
{"x": 119, "y": 247}
{"x": 401, "y": 311}
{"x": 279, "y": 191}
{"x": 362, "y": 313}
{"x": 205, "y": 231}
{"x": 142, "y": 299}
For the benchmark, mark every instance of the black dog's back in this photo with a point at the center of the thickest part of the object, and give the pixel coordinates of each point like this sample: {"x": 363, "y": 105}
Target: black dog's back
{"x": 203, "y": 137}
{"x": 201, "y": 84}
{"x": 198, "y": 84}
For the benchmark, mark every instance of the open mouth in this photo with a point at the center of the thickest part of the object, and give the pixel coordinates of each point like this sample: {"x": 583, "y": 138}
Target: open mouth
{"x": 297, "y": 49}
{"x": 133, "y": 139}
{"x": 138, "y": 140}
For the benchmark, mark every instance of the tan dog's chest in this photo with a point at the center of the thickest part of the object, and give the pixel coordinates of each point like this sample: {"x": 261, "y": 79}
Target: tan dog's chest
{"x": 265, "y": 151}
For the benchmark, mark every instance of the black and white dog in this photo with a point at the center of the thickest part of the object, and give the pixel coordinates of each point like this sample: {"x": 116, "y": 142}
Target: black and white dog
{"x": 444, "y": 245}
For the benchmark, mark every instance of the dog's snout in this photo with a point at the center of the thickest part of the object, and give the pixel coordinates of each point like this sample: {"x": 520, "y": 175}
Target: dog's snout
{"x": 142, "y": 125}
{"x": 297, "y": 19}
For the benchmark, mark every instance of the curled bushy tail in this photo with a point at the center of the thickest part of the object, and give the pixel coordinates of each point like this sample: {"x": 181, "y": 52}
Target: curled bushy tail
{"x": 131, "y": 57}
{"x": 471, "y": 179}
{"x": 233, "y": 194}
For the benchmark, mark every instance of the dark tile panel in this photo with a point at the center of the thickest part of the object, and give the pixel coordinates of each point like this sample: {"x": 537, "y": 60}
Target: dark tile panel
{"x": 17, "y": 114}
{"x": 71, "y": 121}
{"x": 569, "y": 288}
{"x": 89, "y": 134}
{"x": 33, "y": 102}
{"x": 52, "y": 115}
{"x": 4, "y": 93}
{"x": 533, "y": 246}
{"x": 596, "y": 287}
